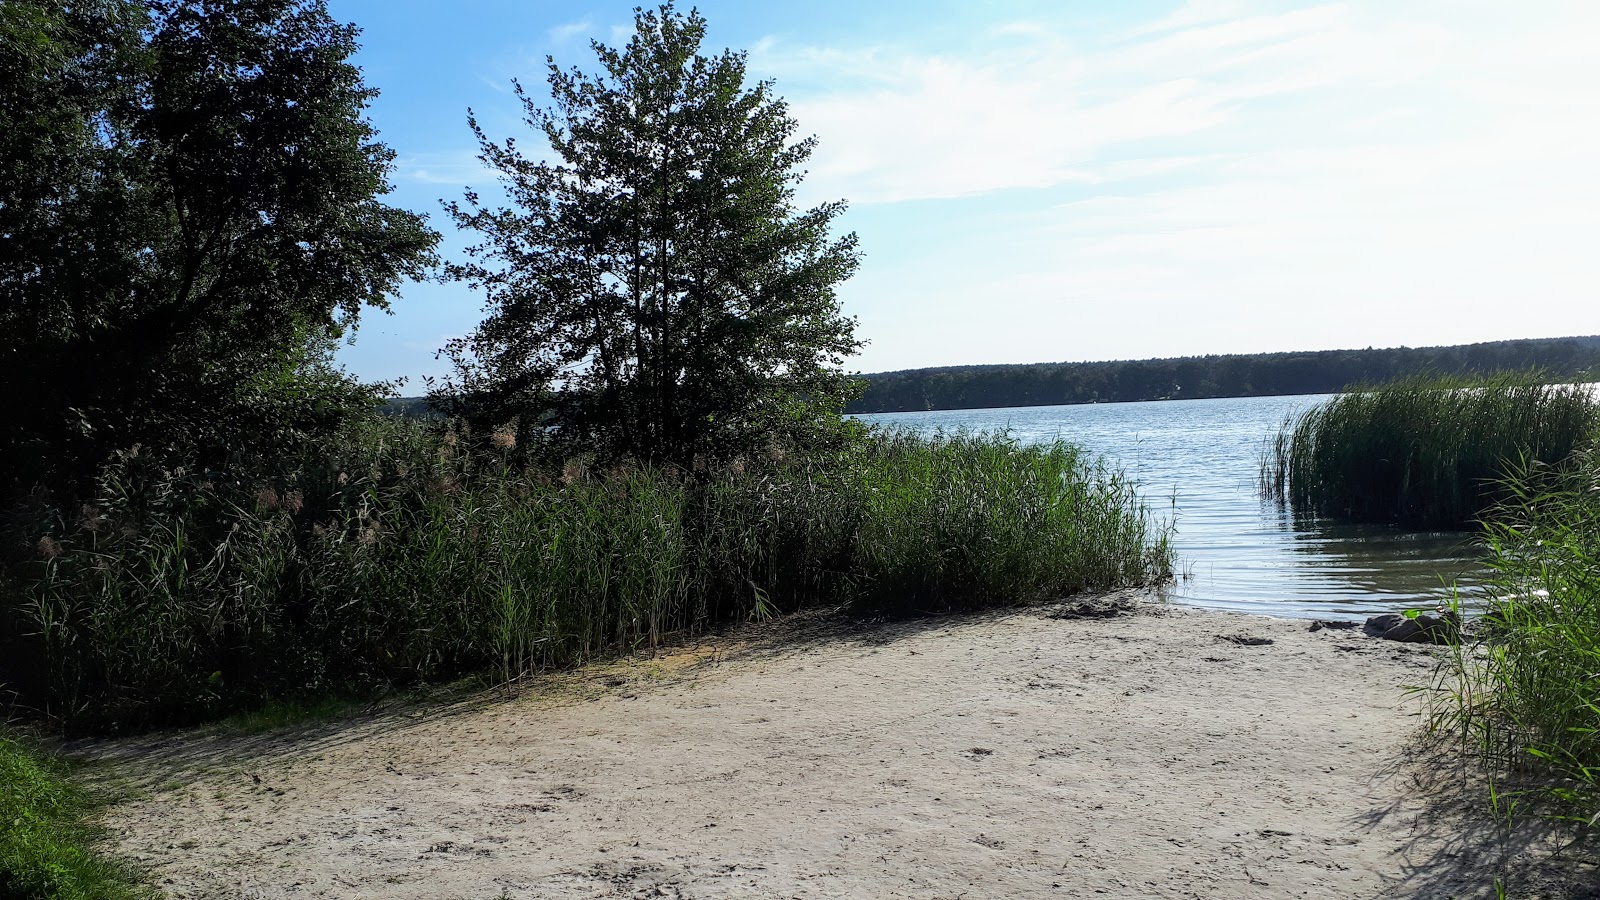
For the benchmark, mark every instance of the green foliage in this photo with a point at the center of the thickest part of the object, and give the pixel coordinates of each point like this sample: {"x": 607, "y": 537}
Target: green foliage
{"x": 1424, "y": 451}
{"x": 188, "y": 194}
{"x": 402, "y": 552}
{"x": 1526, "y": 692}
{"x": 1195, "y": 377}
{"x": 964, "y": 521}
{"x": 278, "y": 714}
{"x": 45, "y": 847}
{"x": 656, "y": 293}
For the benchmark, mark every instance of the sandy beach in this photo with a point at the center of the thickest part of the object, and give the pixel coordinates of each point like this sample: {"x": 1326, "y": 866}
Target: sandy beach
{"x": 1159, "y": 753}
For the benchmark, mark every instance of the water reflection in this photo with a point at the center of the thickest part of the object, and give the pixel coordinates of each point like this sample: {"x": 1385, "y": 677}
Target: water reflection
{"x": 1196, "y": 461}
{"x": 1388, "y": 562}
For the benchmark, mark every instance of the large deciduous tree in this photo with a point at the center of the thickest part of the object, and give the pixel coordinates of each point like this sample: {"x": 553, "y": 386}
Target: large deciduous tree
{"x": 654, "y": 292}
{"x": 190, "y": 214}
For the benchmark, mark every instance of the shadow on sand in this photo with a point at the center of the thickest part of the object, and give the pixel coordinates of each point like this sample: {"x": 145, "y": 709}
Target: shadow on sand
{"x": 1460, "y": 848}
{"x": 144, "y": 763}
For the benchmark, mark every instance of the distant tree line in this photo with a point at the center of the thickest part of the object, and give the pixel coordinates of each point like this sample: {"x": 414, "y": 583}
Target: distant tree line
{"x": 1197, "y": 377}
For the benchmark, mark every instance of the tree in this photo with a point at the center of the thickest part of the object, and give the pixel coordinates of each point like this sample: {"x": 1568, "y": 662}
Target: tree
{"x": 655, "y": 293}
{"x": 189, "y": 216}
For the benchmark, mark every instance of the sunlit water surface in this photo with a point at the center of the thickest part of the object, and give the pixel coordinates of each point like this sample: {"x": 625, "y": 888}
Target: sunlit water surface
{"x": 1196, "y": 462}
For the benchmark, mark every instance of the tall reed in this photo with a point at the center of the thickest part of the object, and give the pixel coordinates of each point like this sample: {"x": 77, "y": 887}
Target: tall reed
{"x": 1424, "y": 451}
{"x": 966, "y": 521}
{"x": 1526, "y": 692}
{"x": 404, "y": 553}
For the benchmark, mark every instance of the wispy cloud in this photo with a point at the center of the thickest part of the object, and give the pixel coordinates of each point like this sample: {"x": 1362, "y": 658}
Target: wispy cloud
{"x": 562, "y": 34}
{"x": 1226, "y": 175}
{"x": 1221, "y": 178}
{"x": 456, "y": 169}
{"x": 1192, "y": 13}
{"x": 903, "y": 125}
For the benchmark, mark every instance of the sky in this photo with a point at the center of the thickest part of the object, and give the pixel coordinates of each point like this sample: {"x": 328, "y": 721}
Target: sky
{"x": 1118, "y": 179}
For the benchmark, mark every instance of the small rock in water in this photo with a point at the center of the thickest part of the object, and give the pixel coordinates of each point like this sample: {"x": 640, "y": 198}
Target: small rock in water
{"x": 1425, "y": 628}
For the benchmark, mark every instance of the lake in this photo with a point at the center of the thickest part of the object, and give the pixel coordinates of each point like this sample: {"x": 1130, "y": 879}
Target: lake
{"x": 1196, "y": 462}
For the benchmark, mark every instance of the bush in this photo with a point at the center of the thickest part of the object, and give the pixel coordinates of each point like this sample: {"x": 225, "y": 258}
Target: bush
{"x": 408, "y": 552}
{"x": 1425, "y": 451}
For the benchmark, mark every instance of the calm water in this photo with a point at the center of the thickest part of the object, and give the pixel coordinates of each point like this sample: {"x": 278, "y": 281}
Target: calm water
{"x": 1196, "y": 463}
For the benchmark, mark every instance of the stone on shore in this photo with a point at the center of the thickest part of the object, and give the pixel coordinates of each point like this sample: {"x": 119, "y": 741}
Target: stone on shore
{"x": 1426, "y": 628}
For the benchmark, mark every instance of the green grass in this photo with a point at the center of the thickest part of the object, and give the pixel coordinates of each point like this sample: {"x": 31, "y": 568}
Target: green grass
{"x": 406, "y": 554}
{"x": 46, "y": 847}
{"x": 1423, "y": 452}
{"x": 965, "y": 521}
{"x": 277, "y": 715}
{"x": 1526, "y": 693}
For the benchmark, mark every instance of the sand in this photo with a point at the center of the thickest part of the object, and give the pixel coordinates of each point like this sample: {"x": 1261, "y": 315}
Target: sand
{"x": 1167, "y": 753}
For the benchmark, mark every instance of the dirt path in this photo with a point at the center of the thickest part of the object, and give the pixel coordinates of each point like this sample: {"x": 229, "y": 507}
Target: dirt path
{"x": 1164, "y": 754}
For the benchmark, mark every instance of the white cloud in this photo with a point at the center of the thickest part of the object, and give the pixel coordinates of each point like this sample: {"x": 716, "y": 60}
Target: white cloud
{"x": 898, "y": 125}
{"x": 457, "y": 169}
{"x": 562, "y": 34}
{"x": 1234, "y": 175}
{"x": 1192, "y": 13}
{"x": 1335, "y": 175}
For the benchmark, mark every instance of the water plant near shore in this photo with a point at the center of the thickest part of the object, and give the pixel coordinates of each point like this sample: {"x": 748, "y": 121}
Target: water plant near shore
{"x": 1426, "y": 451}
{"x": 402, "y": 553}
{"x": 1524, "y": 694}
{"x": 969, "y": 521}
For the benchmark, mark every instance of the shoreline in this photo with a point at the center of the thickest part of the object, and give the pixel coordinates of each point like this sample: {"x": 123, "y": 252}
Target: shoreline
{"x": 1160, "y": 751}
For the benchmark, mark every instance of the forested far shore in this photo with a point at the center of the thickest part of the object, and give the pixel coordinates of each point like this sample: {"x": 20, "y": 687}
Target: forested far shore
{"x": 1200, "y": 377}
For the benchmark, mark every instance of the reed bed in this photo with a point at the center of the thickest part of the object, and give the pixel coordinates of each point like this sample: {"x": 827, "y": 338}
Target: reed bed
{"x": 1526, "y": 691}
{"x": 1425, "y": 451}
{"x": 969, "y": 521}
{"x": 405, "y": 553}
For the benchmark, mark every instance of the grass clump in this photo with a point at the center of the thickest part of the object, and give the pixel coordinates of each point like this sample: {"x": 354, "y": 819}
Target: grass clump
{"x": 408, "y": 552}
{"x": 1526, "y": 694}
{"x": 968, "y": 521}
{"x": 45, "y": 845}
{"x": 277, "y": 714}
{"x": 1425, "y": 451}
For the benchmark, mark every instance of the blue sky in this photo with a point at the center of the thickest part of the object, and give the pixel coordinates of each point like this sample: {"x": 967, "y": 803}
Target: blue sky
{"x": 1099, "y": 180}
